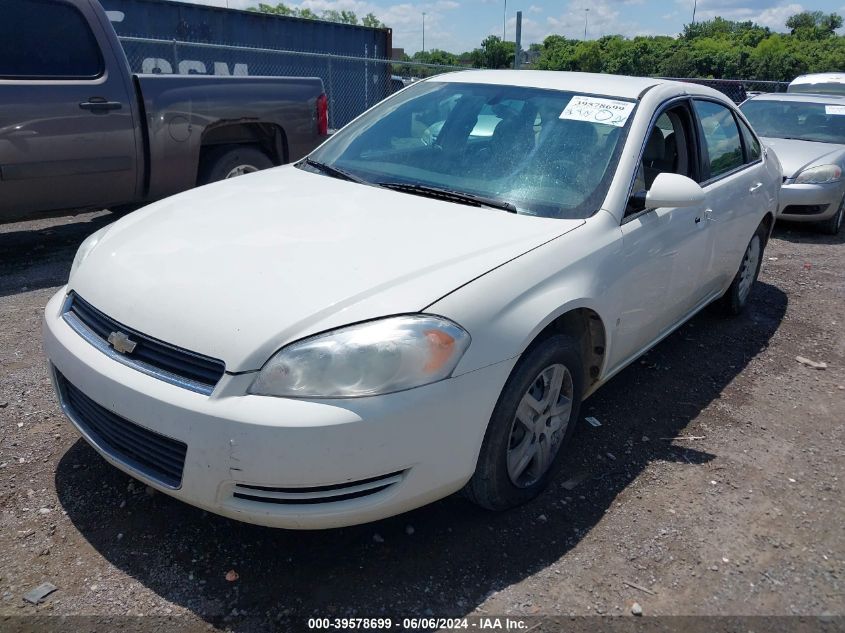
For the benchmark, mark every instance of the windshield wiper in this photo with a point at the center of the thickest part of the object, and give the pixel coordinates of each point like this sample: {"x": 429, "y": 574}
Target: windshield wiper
{"x": 450, "y": 195}
{"x": 335, "y": 172}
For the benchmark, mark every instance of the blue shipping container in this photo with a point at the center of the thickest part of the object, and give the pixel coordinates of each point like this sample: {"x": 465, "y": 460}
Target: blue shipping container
{"x": 219, "y": 42}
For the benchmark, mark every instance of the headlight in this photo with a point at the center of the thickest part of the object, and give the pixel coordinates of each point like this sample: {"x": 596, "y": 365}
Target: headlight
{"x": 819, "y": 175}
{"x": 368, "y": 359}
{"x": 85, "y": 249}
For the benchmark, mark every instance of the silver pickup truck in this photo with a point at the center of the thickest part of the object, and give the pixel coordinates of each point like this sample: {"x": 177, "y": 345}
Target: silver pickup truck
{"x": 79, "y": 130}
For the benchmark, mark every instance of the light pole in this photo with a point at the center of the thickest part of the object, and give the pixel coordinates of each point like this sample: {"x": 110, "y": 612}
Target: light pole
{"x": 423, "y": 46}
{"x": 586, "y": 13}
{"x": 504, "y": 21}
{"x": 694, "y": 6}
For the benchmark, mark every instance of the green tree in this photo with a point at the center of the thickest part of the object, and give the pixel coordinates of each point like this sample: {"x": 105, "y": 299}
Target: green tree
{"x": 279, "y": 9}
{"x": 343, "y": 17}
{"x": 814, "y": 25}
{"x": 371, "y": 20}
{"x": 495, "y": 53}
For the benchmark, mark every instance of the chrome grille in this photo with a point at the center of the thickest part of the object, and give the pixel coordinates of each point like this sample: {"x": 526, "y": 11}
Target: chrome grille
{"x": 317, "y": 494}
{"x": 169, "y": 363}
{"x": 157, "y": 456}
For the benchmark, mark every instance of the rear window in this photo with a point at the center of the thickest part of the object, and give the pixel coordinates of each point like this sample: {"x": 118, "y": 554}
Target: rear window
{"x": 44, "y": 39}
{"x": 833, "y": 88}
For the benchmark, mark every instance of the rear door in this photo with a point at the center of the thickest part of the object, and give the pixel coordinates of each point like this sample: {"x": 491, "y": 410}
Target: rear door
{"x": 734, "y": 178}
{"x": 67, "y": 133}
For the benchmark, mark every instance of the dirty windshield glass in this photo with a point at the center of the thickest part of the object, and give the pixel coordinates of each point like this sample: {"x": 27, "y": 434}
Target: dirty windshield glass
{"x": 803, "y": 120}
{"x": 521, "y": 146}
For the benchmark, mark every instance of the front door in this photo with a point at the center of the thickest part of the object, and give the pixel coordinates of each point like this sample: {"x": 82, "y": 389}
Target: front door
{"x": 665, "y": 249}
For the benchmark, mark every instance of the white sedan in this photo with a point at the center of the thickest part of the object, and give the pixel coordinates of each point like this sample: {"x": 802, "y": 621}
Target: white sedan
{"x": 403, "y": 314}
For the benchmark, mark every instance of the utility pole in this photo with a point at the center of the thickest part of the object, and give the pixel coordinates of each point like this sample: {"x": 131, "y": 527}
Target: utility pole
{"x": 423, "y": 46}
{"x": 517, "y": 57}
{"x": 505, "y": 21}
{"x": 586, "y": 13}
{"x": 694, "y": 7}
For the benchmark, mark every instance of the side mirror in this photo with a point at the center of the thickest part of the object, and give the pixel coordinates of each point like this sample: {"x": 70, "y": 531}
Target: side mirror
{"x": 673, "y": 190}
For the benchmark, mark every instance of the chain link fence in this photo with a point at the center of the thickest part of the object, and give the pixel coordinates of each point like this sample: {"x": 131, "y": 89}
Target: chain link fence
{"x": 737, "y": 89}
{"x": 352, "y": 83}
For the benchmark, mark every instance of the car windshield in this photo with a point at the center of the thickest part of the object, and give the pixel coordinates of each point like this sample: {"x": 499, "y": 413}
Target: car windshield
{"x": 499, "y": 143}
{"x": 802, "y": 120}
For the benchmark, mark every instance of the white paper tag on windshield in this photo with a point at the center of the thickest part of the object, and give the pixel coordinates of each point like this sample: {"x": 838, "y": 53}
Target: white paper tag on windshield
{"x": 595, "y": 110}
{"x": 834, "y": 109}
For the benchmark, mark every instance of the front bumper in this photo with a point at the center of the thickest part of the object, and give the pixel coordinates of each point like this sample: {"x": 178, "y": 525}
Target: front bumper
{"x": 809, "y": 203}
{"x": 304, "y": 464}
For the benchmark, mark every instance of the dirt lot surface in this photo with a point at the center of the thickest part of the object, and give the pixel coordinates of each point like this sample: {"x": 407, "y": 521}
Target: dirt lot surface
{"x": 714, "y": 485}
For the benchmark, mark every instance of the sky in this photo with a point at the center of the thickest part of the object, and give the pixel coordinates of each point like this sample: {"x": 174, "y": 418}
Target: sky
{"x": 460, "y": 25}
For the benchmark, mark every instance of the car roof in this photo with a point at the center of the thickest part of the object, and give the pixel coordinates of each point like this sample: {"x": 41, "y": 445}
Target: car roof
{"x": 587, "y": 83}
{"x": 819, "y": 78}
{"x": 805, "y": 97}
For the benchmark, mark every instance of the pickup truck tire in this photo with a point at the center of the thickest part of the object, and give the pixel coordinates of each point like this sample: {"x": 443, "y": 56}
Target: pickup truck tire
{"x": 227, "y": 162}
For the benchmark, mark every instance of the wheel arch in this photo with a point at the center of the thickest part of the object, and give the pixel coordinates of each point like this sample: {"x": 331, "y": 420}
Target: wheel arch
{"x": 585, "y": 325}
{"x": 769, "y": 222}
{"x": 269, "y": 137}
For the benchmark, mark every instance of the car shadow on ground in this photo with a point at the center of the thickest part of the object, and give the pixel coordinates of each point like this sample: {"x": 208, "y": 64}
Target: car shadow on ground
{"x": 35, "y": 258}
{"x": 443, "y": 559}
{"x": 805, "y": 233}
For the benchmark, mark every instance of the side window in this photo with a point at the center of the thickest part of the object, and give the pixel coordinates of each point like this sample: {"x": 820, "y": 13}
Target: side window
{"x": 721, "y": 137}
{"x": 45, "y": 39}
{"x": 668, "y": 148}
{"x": 752, "y": 145}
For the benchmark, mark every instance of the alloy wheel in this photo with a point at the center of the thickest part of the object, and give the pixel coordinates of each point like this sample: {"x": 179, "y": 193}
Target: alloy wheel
{"x": 539, "y": 425}
{"x": 240, "y": 170}
{"x": 748, "y": 270}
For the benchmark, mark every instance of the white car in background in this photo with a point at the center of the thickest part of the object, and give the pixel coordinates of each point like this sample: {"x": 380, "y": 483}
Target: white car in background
{"x": 818, "y": 83}
{"x": 397, "y": 318}
{"x": 808, "y": 134}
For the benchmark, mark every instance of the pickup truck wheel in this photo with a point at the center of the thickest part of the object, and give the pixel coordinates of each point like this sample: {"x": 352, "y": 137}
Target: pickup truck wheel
{"x": 229, "y": 162}
{"x": 736, "y": 298}
{"x": 534, "y": 419}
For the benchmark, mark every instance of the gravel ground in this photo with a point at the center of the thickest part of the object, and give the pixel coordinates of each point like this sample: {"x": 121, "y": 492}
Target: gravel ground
{"x": 712, "y": 486}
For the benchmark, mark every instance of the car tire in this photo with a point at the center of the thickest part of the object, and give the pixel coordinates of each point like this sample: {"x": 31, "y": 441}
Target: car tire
{"x": 832, "y": 225}
{"x": 227, "y": 162}
{"x": 501, "y": 480}
{"x": 736, "y": 298}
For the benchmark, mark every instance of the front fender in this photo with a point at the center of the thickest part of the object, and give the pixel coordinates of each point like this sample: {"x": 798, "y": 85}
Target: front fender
{"x": 506, "y": 309}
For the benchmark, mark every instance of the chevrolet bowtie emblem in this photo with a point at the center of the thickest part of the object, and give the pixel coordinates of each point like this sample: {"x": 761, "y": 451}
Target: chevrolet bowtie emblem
{"x": 121, "y": 342}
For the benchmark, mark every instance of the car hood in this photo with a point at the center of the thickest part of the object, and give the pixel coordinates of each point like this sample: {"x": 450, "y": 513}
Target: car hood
{"x": 795, "y": 155}
{"x": 236, "y": 269}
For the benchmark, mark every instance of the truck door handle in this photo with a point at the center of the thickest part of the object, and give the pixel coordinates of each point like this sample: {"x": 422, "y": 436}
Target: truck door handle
{"x": 98, "y": 104}
{"x": 755, "y": 187}
{"x": 708, "y": 215}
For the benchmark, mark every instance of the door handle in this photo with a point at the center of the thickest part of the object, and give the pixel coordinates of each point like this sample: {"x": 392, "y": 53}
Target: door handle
{"x": 708, "y": 215}
{"x": 98, "y": 104}
{"x": 755, "y": 187}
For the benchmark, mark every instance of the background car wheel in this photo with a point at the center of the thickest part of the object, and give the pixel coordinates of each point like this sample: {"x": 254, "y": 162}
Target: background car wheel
{"x": 533, "y": 420}
{"x": 832, "y": 225}
{"x": 736, "y": 297}
{"x": 228, "y": 162}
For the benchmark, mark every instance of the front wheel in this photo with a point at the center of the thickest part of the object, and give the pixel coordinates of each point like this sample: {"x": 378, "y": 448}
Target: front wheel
{"x": 736, "y": 297}
{"x": 832, "y": 225}
{"x": 534, "y": 419}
